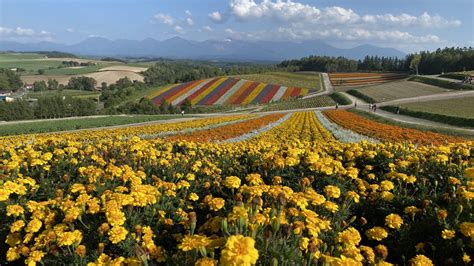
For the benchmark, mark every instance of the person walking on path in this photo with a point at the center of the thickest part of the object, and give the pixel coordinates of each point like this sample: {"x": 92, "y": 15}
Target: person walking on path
{"x": 370, "y": 106}
{"x": 375, "y": 107}
{"x": 182, "y": 112}
{"x": 337, "y": 106}
{"x": 398, "y": 110}
{"x": 355, "y": 104}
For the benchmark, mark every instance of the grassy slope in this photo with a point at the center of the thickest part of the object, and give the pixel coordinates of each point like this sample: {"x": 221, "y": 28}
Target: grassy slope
{"x": 77, "y": 123}
{"x": 72, "y": 93}
{"x": 407, "y": 125}
{"x": 303, "y": 80}
{"x": 462, "y": 107}
{"x": 17, "y": 56}
{"x": 398, "y": 90}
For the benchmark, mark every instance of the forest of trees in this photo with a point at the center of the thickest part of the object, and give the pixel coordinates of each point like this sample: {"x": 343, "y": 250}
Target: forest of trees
{"x": 47, "y": 107}
{"x": 9, "y": 80}
{"x": 176, "y": 72}
{"x": 436, "y": 62}
{"x": 454, "y": 59}
{"x": 342, "y": 64}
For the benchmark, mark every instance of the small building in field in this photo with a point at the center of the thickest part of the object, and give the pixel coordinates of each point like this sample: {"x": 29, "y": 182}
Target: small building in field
{"x": 28, "y": 87}
{"x": 6, "y": 98}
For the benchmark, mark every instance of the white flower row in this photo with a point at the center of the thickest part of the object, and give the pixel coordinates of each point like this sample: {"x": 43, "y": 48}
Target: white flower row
{"x": 256, "y": 132}
{"x": 342, "y": 134}
{"x": 189, "y": 130}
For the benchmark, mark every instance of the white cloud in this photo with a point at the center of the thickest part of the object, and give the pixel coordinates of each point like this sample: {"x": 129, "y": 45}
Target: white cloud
{"x": 190, "y": 21}
{"x": 216, "y": 16}
{"x": 207, "y": 28}
{"x": 165, "y": 19}
{"x": 20, "y": 33}
{"x": 188, "y": 13}
{"x": 70, "y": 30}
{"x": 179, "y": 29}
{"x": 295, "y": 12}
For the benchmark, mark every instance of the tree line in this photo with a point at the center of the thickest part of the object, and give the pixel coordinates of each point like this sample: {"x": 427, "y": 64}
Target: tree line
{"x": 454, "y": 59}
{"x": 47, "y": 107}
{"x": 9, "y": 80}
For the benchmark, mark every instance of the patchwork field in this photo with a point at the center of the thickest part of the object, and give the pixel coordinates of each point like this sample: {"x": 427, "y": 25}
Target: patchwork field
{"x": 313, "y": 102}
{"x": 304, "y": 80}
{"x": 398, "y": 90}
{"x": 226, "y": 91}
{"x": 360, "y": 79}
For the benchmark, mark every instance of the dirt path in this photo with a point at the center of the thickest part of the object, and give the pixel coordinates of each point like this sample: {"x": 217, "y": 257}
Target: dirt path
{"x": 328, "y": 89}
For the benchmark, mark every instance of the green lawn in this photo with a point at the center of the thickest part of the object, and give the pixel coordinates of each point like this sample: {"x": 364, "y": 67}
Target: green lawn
{"x": 77, "y": 123}
{"x": 461, "y": 107}
{"x": 31, "y": 66}
{"x": 72, "y": 93}
{"x": 303, "y": 80}
{"x": 399, "y": 90}
{"x": 72, "y": 71}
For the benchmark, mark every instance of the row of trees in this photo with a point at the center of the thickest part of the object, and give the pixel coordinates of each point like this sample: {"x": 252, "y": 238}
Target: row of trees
{"x": 426, "y": 62}
{"x": 48, "y": 107}
{"x": 342, "y": 64}
{"x": 443, "y": 60}
{"x": 9, "y": 80}
{"x": 75, "y": 83}
{"x": 166, "y": 72}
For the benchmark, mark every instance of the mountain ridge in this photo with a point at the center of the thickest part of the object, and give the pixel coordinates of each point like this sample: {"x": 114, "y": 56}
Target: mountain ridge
{"x": 180, "y": 48}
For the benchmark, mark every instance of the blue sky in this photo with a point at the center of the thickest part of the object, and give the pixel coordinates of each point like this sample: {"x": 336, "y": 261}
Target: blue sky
{"x": 409, "y": 25}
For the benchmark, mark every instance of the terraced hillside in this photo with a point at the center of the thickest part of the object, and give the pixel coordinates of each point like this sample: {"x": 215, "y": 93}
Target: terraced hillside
{"x": 226, "y": 91}
{"x": 359, "y": 79}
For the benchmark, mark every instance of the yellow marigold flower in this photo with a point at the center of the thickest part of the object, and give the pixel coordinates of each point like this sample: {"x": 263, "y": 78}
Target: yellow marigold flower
{"x": 448, "y": 234}
{"x": 81, "y": 251}
{"x": 466, "y": 258}
{"x": 117, "y": 234}
{"x": 442, "y": 214}
{"x": 239, "y": 251}
{"x": 33, "y": 226}
{"x": 421, "y": 260}
{"x": 469, "y": 173}
{"x": 69, "y": 238}
{"x": 349, "y": 237}
{"x": 467, "y": 229}
{"x": 386, "y": 196}
{"x": 206, "y": 262}
{"x": 353, "y": 195}
{"x": 368, "y": 254}
{"x": 35, "y": 256}
{"x": 232, "y": 182}
{"x": 420, "y": 246}
{"x": 386, "y": 185}
{"x": 277, "y": 180}
{"x": 411, "y": 210}
{"x": 304, "y": 242}
{"x": 331, "y": 206}
{"x": 332, "y": 191}
{"x": 393, "y": 221}
{"x": 216, "y": 204}
{"x": 13, "y": 254}
{"x": 4, "y": 195}
{"x": 377, "y": 233}
{"x": 194, "y": 242}
{"x": 254, "y": 179}
{"x": 17, "y": 226}
{"x": 15, "y": 210}
{"x": 193, "y": 196}
{"x": 381, "y": 251}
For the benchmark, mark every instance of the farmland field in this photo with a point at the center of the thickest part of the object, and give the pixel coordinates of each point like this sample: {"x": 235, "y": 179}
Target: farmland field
{"x": 76, "y": 123}
{"x": 360, "y": 79}
{"x": 275, "y": 195}
{"x": 226, "y": 91}
{"x": 313, "y": 102}
{"x": 17, "y": 56}
{"x": 304, "y": 80}
{"x": 398, "y": 90}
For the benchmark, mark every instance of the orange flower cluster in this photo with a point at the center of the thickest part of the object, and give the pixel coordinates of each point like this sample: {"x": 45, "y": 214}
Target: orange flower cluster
{"x": 387, "y": 132}
{"x": 227, "y": 132}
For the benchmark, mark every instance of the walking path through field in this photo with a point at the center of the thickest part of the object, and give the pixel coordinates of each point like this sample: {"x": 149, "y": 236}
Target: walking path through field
{"x": 328, "y": 89}
{"x": 362, "y": 105}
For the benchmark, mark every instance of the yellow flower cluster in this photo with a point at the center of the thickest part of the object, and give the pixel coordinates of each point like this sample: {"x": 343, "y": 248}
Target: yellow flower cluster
{"x": 291, "y": 195}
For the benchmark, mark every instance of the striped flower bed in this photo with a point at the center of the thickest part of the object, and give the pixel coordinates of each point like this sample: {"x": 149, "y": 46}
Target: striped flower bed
{"x": 226, "y": 91}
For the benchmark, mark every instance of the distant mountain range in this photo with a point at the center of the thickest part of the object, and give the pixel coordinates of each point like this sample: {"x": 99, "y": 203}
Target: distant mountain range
{"x": 229, "y": 49}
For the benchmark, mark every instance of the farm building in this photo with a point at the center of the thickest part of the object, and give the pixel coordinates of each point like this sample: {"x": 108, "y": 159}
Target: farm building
{"x": 6, "y": 98}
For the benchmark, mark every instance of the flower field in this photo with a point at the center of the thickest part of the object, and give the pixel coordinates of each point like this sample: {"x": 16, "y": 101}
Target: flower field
{"x": 387, "y": 132}
{"x": 226, "y": 91}
{"x": 292, "y": 195}
{"x": 359, "y": 79}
